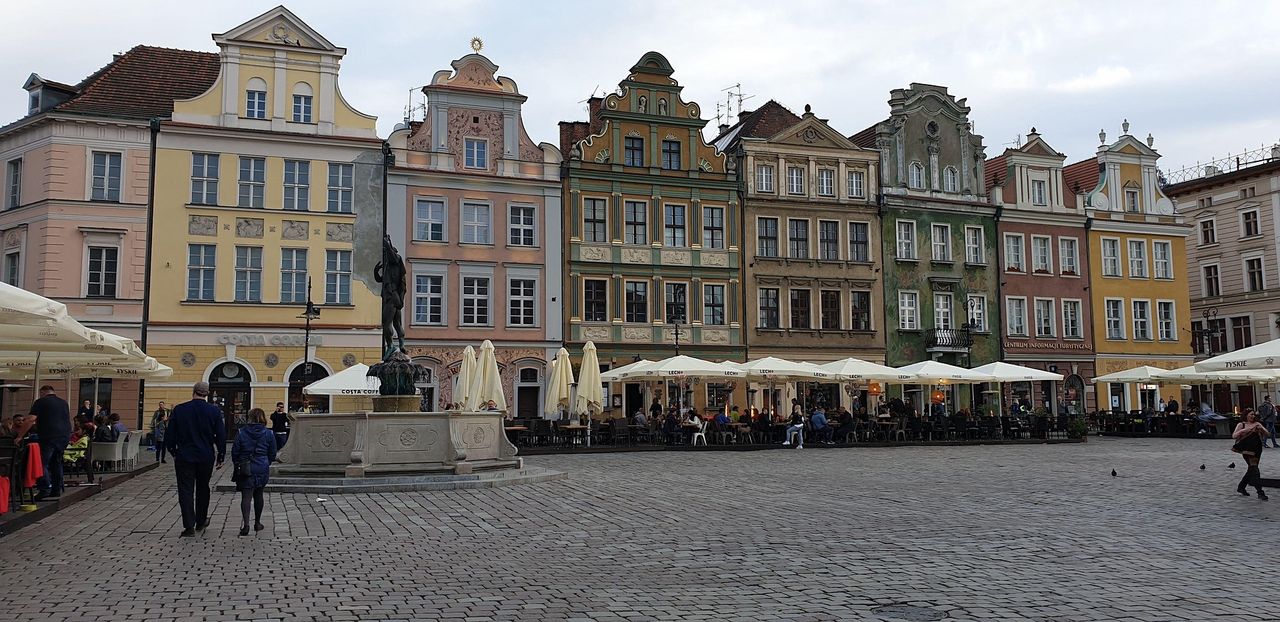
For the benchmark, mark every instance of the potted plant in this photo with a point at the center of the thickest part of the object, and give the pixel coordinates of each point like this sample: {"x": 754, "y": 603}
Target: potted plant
{"x": 1078, "y": 428}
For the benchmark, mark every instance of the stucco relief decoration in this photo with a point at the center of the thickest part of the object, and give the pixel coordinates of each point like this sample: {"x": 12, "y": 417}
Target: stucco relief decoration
{"x": 595, "y": 253}
{"x": 294, "y": 230}
{"x": 715, "y": 336}
{"x": 680, "y": 258}
{"x": 348, "y": 359}
{"x": 635, "y": 255}
{"x": 595, "y": 333}
{"x": 202, "y": 225}
{"x": 188, "y": 359}
{"x": 808, "y": 135}
{"x": 271, "y": 360}
{"x": 280, "y": 33}
{"x": 475, "y": 74}
{"x": 704, "y": 165}
{"x": 12, "y": 239}
{"x": 326, "y": 438}
{"x": 249, "y": 227}
{"x": 719, "y": 260}
{"x": 670, "y": 137}
{"x": 633, "y": 333}
{"x": 603, "y": 156}
{"x": 693, "y": 111}
{"x": 642, "y": 104}
{"x": 408, "y": 437}
{"x": 338, "y": 231}
{"x": 633, "y": 134}
{"x": 484, "y": 124}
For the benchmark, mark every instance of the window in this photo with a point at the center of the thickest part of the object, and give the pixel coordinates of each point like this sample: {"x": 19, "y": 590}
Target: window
{"x": 859, "y": 241}
{"x": 593, "y": 220}
{"x": 908, "y": 311}
{"x": 204, "y": 178}
{"x": 713, "y": 227}
{"x": 764, "y": 178}
{"x": 1071, "y": 326}
{"x": 906, "y": 239}
{"x": 428, "y": 299}
{"x": 1114, "y": 308}
{"x": 13, "y": 187}
{"x": 106, "y": 176}
{"x": 476, "y": 153}
{"x": 475, "y": 224}
{"x": 1253, "y": 280}
{"x": 1069, "y": 255}
{"x": 1142, "y": 320}
{"x": 253, "y": 181}
{"x": 857, "y": 184}
{"x": 826, "y": 182}
{"x": 636, "y": 230}
{"x": 201, "y": 262}
{"x": 297, "y": 184}
{"x": 798, "y": 238}
{"x": 942, "y": 311}
{"x": 975, "y": 245}
{"x": 1208, "y": 232}
{"x": 13, "y": 268}
{"x": 248, "y": 274}
{"x": 637, "y": 301}
{"x": 829, "y": 310}
{"x": 977, "y": 311}
{"x": 337, "y": 277}
{"x": 521, "y": 232}
{"x": 1041, "y": 254}
{"x": 1246, "y": 193}
{"x": 633, "y": 151}
{"x": 1165, "y": 322}
{"x": 950, "y": 179}
{"x": 1211, "y": 287}
{"x": 795, "y": 180}
{"x": 1242, "y": 332}
{"x": 1131, "y": 203}
{"x": 1110, "y": 257}
{"x": 520, "y": 302}
{"x": 713, "y": 305}
{"x": 301, "y": 108}
{"x": 595, "y": 298}
{"x": 1044, "y": 318}
{"x": 941, "y": 242}
{"x": 1218, "y": 338}
{"x": 769, "y": 307}
{"x": 1013, "y": 261}
{"x": 1016, "y": 310}
{"x": 676, "y": 301}
{"x": 1162, "y": 254}
{"x": 1249, "y": 223}
{"x": 915, "y": 176}
{"x": 428, "y": 220}
{"x": 341, "y": 187}
{"x": 293, "y": 275}
{"x": 475, "y": 301}
{"x": 671, "y": 155}
{"x": 828, "y": 240}
{"x": 800, "y": 309}
{"x": 1138, "y": 259}
{"x": 1038, "y": 194}
{"x": 860, "y": 311}
{"x": 767, "y": 237}
{"x": 255, "y": 106}
{"x": 673, "y": 226}
{"x": 103, "y": 268}
{"x": 1206, "y": 202}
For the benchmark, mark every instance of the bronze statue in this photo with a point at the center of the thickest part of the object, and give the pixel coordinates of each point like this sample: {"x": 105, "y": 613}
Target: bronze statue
{"x": 391, "y": 273}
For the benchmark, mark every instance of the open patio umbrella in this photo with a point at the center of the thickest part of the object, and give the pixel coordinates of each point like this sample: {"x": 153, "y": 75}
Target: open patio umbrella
{"x": 858, "y": 369}
{"x": 1143, "y": 373}
{"x": 626, "y": 371}
{"x": 488, "y": 382}
{"x": 937, "y": 372}
{"x": 559, "y": 385}
{"x": 1262, "y": 356}
{"x": 590, "y": 398}
{"x": 464, "y": 384}
{"x": 1191, "y": 374}
{"x": 685, "y": 366}
{"x": 1005, "y": 372}
{"x": 353, "y": 380}
{"x": 775, "y": 368}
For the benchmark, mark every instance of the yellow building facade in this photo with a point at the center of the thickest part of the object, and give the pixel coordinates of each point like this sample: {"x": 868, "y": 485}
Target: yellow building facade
{"x": 268, "y": 193}
{"x": 1138, "y": 274}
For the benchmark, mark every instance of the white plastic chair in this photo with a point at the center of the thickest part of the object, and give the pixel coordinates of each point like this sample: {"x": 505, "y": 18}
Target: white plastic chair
{"x": 700, "y": 434}
{"x": 108, "y": 453}
{"x": 132, "y": 443}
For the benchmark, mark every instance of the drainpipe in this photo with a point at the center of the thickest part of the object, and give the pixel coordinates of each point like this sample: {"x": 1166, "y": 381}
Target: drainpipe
{"x": 146, "y": 280}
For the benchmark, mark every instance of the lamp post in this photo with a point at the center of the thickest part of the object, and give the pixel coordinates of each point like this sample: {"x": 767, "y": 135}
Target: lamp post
{"x": 676, "y": 323}
{"x": 312, "y": 312}
{"x": 1204, "y": 336}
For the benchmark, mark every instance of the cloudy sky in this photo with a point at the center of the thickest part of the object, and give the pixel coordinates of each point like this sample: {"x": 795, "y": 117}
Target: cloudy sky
{"x": 1202, "y": 78}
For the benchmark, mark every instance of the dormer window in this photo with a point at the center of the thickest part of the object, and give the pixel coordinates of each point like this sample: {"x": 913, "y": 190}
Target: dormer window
{"x": 951, "y": 179}
{"x": 915, "y": 176}
{"x": 1038, "y": 194}
{"x": 1131, "y": 202}
{"x": 255, "y": 99}
{"x": 33, "y": 102}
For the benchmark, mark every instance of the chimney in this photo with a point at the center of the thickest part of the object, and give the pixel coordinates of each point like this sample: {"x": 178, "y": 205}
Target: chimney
{"x": 593, "y": 110}
{"x": 724, "y": 127}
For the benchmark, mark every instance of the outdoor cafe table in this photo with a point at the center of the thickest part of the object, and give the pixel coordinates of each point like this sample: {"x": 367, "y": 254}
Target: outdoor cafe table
{"x": 519, "y": 430}
{"x": 576, "y": 432}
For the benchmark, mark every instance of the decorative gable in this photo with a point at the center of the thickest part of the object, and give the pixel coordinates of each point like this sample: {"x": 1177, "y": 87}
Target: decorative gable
{"x": 278, "y": 27}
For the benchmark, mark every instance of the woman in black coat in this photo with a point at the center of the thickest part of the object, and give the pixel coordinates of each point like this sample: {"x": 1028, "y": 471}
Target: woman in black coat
{"x": 255, "y": 446}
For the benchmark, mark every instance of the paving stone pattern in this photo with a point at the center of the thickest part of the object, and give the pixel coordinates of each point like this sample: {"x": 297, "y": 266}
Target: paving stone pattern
{"x": 1039, "y": 533}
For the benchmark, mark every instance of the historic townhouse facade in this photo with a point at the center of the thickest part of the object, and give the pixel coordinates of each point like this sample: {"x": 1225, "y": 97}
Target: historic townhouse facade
{"x": 938, "y": 230}
{"x": 1044, "y": 275}
{"x": 652, "y": 230}
{"x": 811, "y": 240}
{"x": 263, "y": 184}
{"x": 73, "y": 217}
{"x": 1137, "y": 261}
{"x": 1234, "y": 264}
{"x": 475, "y": 206}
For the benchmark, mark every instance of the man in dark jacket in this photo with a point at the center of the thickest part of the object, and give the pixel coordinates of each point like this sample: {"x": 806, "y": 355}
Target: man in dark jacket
{"x": 53, "y": 426}
{"x": 195, "y": 436}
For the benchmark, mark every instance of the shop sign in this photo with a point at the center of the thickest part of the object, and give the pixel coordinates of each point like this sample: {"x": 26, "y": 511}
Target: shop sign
{"x": 256, "y": 339}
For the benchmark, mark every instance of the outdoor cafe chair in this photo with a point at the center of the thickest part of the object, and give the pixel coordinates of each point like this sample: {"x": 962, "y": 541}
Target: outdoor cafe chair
{"x": 621, "y": 433}
{"x": 701, "y": 433}
{"x": 109, "y": 455}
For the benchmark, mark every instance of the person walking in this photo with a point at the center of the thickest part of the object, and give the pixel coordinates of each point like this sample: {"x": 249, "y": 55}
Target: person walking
{"x": 158, "y": 428}
{"x": 280, "y": 425}
{"x": 253, "y": 452}
{"x": 197, "y": 440}
{"x": 1267, "y": 417}
{"x": 53, "y": 427}
{"x": 159, "y": 415}
{"x": 1249, "y": 437}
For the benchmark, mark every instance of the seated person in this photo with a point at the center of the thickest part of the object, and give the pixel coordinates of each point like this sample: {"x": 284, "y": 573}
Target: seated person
{"x": 821, "y": 430}
{"x": 671, "y": 427}
{"x": 745, "y": 417}
{"x": 847, "y": 424}
{"x": 640, "y": 419}
{"x": 79, "y": 443}
{"x": 117, "y": 425}
{"x": 723, "y": 419}
{"x": 104, "y": 433}
{"x": 796, "y": 430}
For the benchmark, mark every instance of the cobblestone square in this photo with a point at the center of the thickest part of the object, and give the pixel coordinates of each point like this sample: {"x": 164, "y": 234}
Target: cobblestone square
{"x": 1039, "y": 533}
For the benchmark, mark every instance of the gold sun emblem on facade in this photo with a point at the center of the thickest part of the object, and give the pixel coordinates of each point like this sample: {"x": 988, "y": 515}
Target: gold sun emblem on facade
{"x": 477, "y": 44}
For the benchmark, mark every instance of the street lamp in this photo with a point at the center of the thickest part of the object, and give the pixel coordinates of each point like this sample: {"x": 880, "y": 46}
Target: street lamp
{"x": 312, "y": 312}
{"x": 1205, "y": 336}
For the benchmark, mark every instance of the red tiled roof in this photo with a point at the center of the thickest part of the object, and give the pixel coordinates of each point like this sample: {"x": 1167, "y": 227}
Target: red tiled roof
{"x": 1080, "y": 177}
{"x": 866, "y": 138}
{"x": 143, "y": 83}
{"x": 995, "y": 167}
{"x": 764, "y": 121}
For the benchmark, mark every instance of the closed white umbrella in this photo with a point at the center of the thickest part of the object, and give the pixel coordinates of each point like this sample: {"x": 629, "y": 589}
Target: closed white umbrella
{"x": 1261, "y": 356}
{"x": 488, "y": 381}
{"x": 464, "y": 384}
{"x": 559, "y": 385}
{"x": 1005, "y": 372}
{"x": 590, "y": 390}
{"x": 354, "y": 380}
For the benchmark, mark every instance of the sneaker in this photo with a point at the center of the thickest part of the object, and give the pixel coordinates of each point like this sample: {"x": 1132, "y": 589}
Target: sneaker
{"x": 202, "y": 525}
{"x": 259, "y": 526}
{"x": 187, "y": 533}
{"x": 799, "y": 446}
{"x": 1242, "y": 491}
{"x": 784, "y": 443}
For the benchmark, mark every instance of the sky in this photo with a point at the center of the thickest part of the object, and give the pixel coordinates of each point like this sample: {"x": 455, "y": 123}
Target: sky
{"x": 1200, "y": 77}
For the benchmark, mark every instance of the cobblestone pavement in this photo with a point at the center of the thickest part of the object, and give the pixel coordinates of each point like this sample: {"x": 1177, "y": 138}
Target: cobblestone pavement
{"x": 1038, "y": 533}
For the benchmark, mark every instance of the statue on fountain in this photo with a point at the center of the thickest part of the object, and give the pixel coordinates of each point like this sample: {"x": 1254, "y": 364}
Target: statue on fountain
{"x": 396, "y": 371}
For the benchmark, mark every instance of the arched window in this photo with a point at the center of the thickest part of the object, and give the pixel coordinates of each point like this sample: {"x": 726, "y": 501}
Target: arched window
{"x": 302, "y": 103}
{"x": 299, "y": 378}
{"x": 231, "y": 388}
{"x": 255, "y": 99}
{"x": 951, "y": 179}
{"x": 915, "y": 175}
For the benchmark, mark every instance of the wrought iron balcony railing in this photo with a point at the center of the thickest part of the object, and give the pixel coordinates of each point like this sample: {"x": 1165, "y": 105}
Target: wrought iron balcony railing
{"x": 950, "y": 338}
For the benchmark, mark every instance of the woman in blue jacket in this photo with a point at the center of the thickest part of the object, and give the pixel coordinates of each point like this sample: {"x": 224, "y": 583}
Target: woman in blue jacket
{"x": 256, "y": 445}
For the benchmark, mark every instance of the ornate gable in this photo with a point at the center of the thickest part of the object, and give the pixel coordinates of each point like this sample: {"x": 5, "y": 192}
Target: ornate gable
{"x": 812, "y": 132}
{"x": 278, "y": 27}
{"x": 474, "y": 71}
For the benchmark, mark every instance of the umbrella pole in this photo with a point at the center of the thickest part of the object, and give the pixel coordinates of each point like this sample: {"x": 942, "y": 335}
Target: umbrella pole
{"x": 95, "y": 392}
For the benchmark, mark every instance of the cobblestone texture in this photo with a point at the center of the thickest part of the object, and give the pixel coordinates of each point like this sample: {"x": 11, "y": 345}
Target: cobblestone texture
{"x": 1040, "y": 533}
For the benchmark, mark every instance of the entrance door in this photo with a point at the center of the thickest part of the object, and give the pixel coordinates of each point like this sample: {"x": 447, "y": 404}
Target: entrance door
{"x": 230, "y": 389}
{"x": 299, "y": 378}
{"x": 527, "y": 402}
{"x": 1222, "y": 398}
{"x": 633, "y": 398}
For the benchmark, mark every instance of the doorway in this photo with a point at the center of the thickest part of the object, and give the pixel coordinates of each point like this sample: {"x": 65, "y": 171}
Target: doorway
{"x": 528, "y": 390}
{"x": 299, "y": 378}
{"x": 633, "y": 398}
{"x": 231, "y": 389}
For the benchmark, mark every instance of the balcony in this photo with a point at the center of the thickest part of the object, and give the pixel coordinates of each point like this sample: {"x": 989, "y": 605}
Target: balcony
{"x": 948, "y": 340}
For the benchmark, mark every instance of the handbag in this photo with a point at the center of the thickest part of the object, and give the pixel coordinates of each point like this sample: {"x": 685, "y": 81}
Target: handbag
{"x": 241, "y": 470}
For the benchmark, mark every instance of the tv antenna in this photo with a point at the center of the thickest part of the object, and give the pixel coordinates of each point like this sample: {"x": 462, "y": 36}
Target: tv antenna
{"x": 589, "y": 98}
{"x": 733, "y": 93}
{"x": 1017, "y": 142}
{"x": 413, "y": 107}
